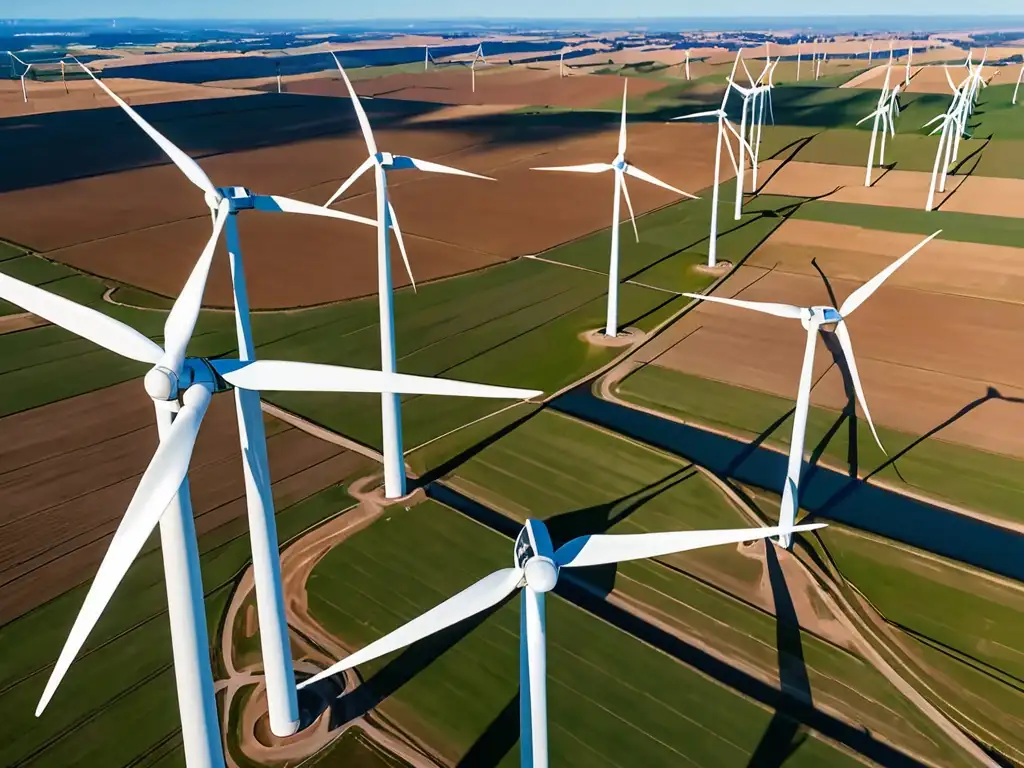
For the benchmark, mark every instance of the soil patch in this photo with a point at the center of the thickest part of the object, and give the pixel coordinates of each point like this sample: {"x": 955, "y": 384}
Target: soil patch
{"x": 988, "y": 197}
{"x": 898, "y": 189}
{"x": 84, "y": 94}
{"x": 113, "y": 226}
{"x": 814, "y": 179}
{"x": 948, "y": 350}
{"x": 68, "y": 471}
{"x": 858, "y": 254}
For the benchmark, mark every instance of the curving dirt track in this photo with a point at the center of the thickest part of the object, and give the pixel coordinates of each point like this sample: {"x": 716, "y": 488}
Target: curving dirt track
{"x": 68, "y": 471}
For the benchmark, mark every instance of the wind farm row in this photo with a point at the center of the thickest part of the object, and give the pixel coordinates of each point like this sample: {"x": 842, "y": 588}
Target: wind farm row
{"x": 575, "y": 329}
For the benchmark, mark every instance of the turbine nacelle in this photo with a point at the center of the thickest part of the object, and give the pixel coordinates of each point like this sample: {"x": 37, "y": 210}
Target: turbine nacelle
{"x": 820, "y": 316}
{"x": 164, "y": 385}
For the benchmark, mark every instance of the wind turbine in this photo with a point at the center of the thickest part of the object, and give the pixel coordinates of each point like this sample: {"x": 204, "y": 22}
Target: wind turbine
{"x": 277, "y": 68}
{"x": 621, "y": 168}
{"x": 799, "y": 45}
{"x": 283, "y": 706}
{"x": 536, "y": 566}
{"x": 382, "y": 163}
{"x": 813, "y": 318}
{"x": 955, "y": 117}
{"x": 28, "y": 67}
{"x": 910, "y": 58}
{"x": 63, "y": 77}
{"x": 1019, "y": 78}
{"x": 745, "y": 148}
{"x": 723, "y": 125}
{"x": 686, "y": 64}
{"x": 881, "y": 116}
{"x": 478, "y": 55}
{"x": 181, "y": 388}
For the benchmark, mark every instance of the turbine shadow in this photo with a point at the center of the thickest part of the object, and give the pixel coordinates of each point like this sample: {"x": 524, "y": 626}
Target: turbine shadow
{"x": 784, "y": 734}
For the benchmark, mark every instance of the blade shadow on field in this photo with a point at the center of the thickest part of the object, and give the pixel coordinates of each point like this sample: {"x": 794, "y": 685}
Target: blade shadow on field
{"x": 496, "y": 741}
{"x": 601, "y": 518}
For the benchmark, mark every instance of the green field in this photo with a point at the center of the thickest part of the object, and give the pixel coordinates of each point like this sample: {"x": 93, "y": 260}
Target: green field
{"x": 957, "y": 628}
{"x": 122, "y": 683}
{"x": 961, "y": 227}
{"x": 581, "y": 479}
{"x": 933, "y": 467}
{"x": 612, "y": 700}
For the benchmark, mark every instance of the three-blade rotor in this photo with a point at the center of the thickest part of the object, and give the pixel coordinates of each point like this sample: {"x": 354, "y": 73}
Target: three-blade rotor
{"x": 813, "y": 317}
{"x": 384, "y": 162}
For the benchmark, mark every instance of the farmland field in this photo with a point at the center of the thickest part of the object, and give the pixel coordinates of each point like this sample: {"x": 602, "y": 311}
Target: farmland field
{"x": 599, "y": 711}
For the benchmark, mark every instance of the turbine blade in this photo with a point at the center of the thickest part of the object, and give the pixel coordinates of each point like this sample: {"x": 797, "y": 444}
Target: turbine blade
{"x": 285, "y": 376}
{"x": 484, "y": 594}
{"x": 88, "y": 323}
{"x": 622, "y": 124}
{"x": 843, "y": 334}
{"x": 865, "y": 119}
{"x": 401, "y": 243}
{"x": 709, "y": 113}
{"x": 181, "y": 321}
{"x": 629, "y": 205}
{"x": 636, "y": 173}
{"x": 601, "y": 549}
{"x": 364, "y": 122}
{"x": 587, "y": 168}
{"x": 368, "y": 163}
{"x": 861, "y": 295}
{"x": 401, "y": 162}
{"x": 768, "y": 308}
{"x": 160, "y": 482}
{"x": 287, "y": 205}
{"x": 186, "y": 164}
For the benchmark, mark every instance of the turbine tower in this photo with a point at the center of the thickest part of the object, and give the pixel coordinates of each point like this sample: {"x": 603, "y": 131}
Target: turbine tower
{"x": 881, "y": 116}
{"x": 275, "y": 643}
{"x": 536, "y": 566}
{"x": 383, "y": 163}
{"x": 621, "y": 168}
{"x": 813, "y": 318}
{"x": 181, "y": 388}
{"x": 22, "y": 76}
{"x": 723, "y": 126}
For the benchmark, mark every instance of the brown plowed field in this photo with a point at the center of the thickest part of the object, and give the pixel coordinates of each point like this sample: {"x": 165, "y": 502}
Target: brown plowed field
{"x": 814, "y": 179}
{"x": 46, "y": 97}
{"x": 494, "y": 85}
{"x": 858, "y": 254}
{"x": 932, "y": 79}
{"x": 69, "y": 470}
{"x": 922, "y": 355}
{"x": 116, "y": 226}
{"x": 899, "y": 189}
{"x": 988, "y": 196}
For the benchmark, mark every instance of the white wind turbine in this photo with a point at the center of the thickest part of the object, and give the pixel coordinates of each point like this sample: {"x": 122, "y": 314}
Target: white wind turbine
{"x": 799, "y": 48}
{"x": 1020, "y": 77}
{"x": 952, "y": 124}
{"x": 910, "y": 58}
{"x": 24, "y": 74}
{"x": 181, "y": 388}
{"x": 751, "y": 100}
{"x": 536, "y": 566}
{"x": 686, "y": 63}
{"x": 275, "y": 643}
{"x": 621, "y": 168}
{"x": 812, "y": 319}
{"x": 478, "y": 55}
{"x": 882, "y": 116}
{"x": 383, "y": 163}
{"x": 723, "y": 126}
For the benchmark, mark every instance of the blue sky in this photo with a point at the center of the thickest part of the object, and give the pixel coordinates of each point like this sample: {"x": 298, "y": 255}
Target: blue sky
{"x": 437, "y": 9}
